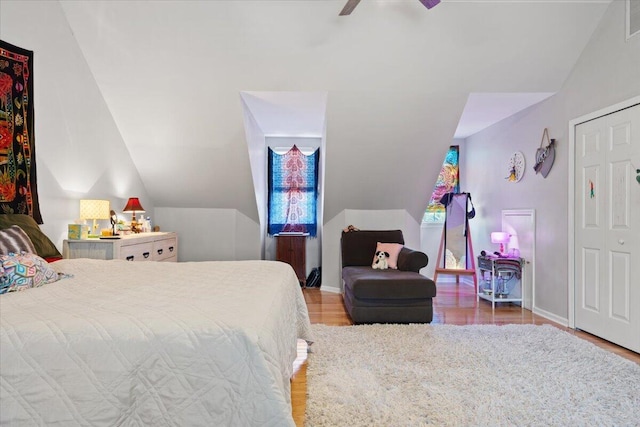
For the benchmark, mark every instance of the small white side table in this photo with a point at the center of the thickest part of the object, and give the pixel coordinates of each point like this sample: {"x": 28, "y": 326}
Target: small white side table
{"x": 500, "y": 279}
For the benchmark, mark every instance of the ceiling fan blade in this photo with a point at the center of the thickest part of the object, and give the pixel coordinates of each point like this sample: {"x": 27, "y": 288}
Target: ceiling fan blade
{"x": 429, "y": 3}
{"x": 348, "y": 8}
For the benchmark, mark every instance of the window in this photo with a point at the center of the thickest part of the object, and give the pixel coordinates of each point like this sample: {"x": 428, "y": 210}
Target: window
{"x": 293, "y": 192}
{"x": 448, "y": 182}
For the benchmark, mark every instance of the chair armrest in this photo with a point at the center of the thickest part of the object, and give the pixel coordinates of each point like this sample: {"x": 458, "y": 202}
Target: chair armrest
{"x": 411, "y": 260}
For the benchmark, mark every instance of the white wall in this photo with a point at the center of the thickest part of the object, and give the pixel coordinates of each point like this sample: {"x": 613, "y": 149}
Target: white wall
{"x": 80, "y": 153}
{"x": 256, "y": 146}
{"x": 393, "y": 219}
{"x": 211, "y": 234}
{"x": 246, "y": 238}
{"x": 430, "y": 235}
{"x": 607, "y": 72}
{"x": 380, "y": 149}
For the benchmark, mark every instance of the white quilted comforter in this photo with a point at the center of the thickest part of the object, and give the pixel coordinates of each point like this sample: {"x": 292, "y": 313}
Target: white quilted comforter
{"x": 146, "y": 343}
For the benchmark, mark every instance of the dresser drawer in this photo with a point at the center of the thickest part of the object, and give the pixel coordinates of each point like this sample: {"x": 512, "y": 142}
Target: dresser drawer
{"x": 155, "y": 246}
{"x": 165, "y": 249}
{"x": 139, "y": 252}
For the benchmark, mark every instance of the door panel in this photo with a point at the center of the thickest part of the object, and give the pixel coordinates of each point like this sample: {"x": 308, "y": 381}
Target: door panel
{"x": 590, "y": 207}
{"x": 620, "y": 286}
{"x": 589, "y": 236}
{"x": 607, "y": 228}
{"x": 620, "y": 194}
{"x": 591, "y": 282}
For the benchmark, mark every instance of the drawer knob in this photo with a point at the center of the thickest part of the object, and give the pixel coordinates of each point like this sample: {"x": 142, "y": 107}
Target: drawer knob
{"x": 146, "y": 254}
{"x": 159, "y": 251}
{"x": 170, "y": 248}
{"x": 130, "y": 258}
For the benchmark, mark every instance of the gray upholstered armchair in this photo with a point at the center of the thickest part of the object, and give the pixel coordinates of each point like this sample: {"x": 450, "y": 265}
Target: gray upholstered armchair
{"x": 400, "y": 295}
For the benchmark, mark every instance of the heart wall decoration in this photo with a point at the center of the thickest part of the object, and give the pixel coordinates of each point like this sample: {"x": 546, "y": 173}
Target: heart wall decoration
{"x": 545, "y": 155}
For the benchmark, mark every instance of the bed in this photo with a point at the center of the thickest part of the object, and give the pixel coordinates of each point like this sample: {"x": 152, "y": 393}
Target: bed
{"x": 147, "y": 343}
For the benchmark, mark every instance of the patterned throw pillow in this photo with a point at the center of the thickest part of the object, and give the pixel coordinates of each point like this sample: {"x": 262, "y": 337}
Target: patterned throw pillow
{"x": 15, "y": 240}
{"x": 393, "y": 249}
{"x": 23, "y": 270}
{"x": 44, "y": 247}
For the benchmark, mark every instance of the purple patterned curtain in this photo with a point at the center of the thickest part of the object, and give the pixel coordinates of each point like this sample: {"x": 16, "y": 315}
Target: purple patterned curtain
{"x": 293, "y": 192}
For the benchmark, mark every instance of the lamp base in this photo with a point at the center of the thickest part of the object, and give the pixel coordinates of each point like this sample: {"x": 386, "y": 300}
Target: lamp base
{"x": 136, "y": 227}
{"x": 93, "y": 234}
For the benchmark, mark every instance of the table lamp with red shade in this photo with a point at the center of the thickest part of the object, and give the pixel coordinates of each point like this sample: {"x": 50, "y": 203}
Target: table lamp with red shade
{"x": 133, "y": 206}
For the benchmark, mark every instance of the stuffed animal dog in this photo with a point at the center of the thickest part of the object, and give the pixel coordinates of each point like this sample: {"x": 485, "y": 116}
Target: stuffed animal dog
{"x": 381, "y": 262}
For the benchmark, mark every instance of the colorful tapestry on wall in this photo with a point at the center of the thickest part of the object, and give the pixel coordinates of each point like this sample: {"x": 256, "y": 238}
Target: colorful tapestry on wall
{"x": 293, "y": 192}
{"x": 18, "y": 191}
{"x": 448, "y": 182}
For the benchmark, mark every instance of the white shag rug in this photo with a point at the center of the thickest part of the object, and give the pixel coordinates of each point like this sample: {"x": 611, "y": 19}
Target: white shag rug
{"x": 478, "y": 375}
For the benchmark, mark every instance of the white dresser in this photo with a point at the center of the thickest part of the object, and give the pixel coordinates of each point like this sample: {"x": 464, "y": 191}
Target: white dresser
{"x": 156, "y": 246}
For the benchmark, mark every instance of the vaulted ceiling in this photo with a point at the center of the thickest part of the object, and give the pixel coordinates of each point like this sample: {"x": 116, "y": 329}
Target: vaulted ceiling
{"x": 397, "y": 78}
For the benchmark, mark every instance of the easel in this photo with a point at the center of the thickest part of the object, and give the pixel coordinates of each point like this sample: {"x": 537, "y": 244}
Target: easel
{"x": 455, "y": 271}
{"x": 470, "y": 262}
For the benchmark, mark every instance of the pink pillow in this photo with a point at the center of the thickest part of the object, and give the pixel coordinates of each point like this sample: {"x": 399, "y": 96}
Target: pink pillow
{"x": 393, "y": 249}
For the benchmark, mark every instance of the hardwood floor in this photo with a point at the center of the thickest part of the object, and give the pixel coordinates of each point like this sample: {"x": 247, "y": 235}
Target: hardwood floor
{"x": 454, "y": 305}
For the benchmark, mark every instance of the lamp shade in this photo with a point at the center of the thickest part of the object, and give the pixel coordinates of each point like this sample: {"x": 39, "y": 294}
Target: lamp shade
{"x": 94, "y": 209}
{"x": 133, "y": 205}
{"x": 500, "y": 237}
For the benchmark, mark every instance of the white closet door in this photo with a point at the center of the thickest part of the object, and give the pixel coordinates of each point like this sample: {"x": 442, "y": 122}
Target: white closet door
{"x": 607, "y": 228}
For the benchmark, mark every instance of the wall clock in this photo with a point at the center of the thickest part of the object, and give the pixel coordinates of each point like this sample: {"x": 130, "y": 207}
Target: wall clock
{"x": 516, "y": 167}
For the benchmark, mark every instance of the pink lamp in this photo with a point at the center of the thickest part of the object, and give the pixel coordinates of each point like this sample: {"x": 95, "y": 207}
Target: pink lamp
{"x": 500, "y": 237}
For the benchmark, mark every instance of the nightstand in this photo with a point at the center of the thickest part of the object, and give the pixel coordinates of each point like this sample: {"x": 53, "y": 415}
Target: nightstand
{"x": 291, "y": 248}
{"x": 156, "y": 246}
{"x": 500, "y": 279}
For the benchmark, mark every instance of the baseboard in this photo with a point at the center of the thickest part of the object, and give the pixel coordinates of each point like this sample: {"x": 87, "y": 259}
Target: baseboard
{"x": 538, "y": 311}
{"x": 330, "y": 289}
{"x": 554, "y": 318}
{"x": 464, "y": 280}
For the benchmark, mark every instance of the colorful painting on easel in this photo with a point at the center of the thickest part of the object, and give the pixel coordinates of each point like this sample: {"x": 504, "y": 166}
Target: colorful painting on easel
{"x": 448, "y": 182}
